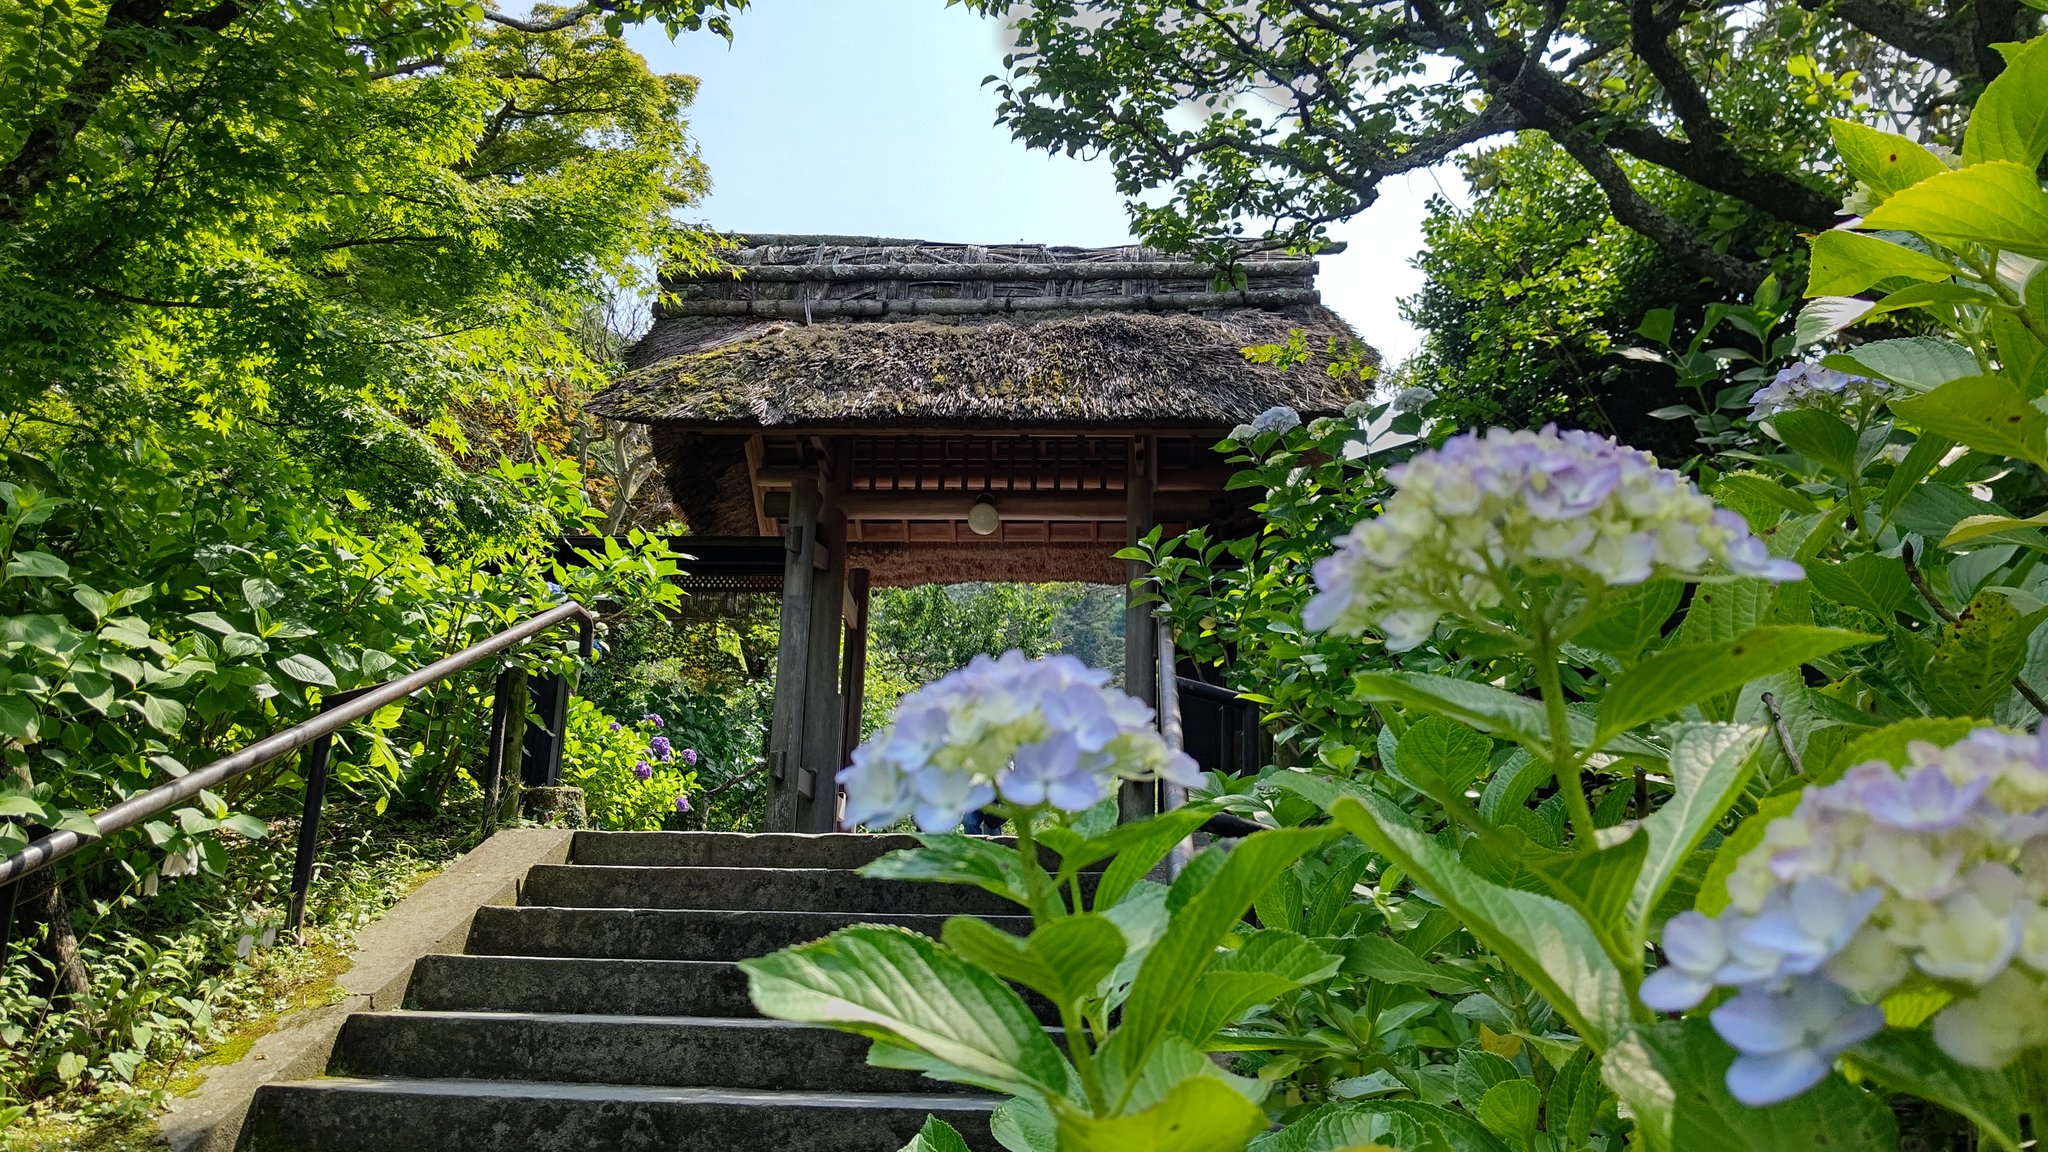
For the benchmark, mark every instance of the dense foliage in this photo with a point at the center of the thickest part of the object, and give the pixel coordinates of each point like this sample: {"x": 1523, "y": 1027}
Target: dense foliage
{"x": 1618, "y": 809}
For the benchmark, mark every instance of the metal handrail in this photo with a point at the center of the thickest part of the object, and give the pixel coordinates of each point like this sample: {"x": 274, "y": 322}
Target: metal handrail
{"x": 340, "y": 710}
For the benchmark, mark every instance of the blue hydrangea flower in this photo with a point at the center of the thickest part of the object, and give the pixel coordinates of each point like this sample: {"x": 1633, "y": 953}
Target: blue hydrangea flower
{"x": 1812, "y": 386}
{"x": 1787, "y": 1039}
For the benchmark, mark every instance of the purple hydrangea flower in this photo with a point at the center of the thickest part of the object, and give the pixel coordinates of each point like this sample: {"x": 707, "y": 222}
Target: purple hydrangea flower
{"x": 660, "y": 748}
{"x": 614, "y": 726}
{"x": 643, "y": 770}
{"x": 1812, "y": 386}
{"x": 653, "y": 718}
{"x": 688, "y": 756}
{"x": 683, "y": 802}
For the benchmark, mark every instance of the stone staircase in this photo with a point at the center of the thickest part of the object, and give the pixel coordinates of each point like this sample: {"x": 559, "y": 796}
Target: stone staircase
{"x": 605, "y": 1012}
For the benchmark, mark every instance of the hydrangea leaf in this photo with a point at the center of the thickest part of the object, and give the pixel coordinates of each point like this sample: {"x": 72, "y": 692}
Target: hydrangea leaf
{"x": 1976, "y": 658}
{"x": 1845, "y": 263}
{"x": 1065, "y": 959}
{"x": 1876, "y": 584}
{"x": 1159, "y": 995}
{"x": 1361, "y": 1125}
{"x": 1631, "y": 618}
{"x": 1492, "y": 710}
{"x": 1910, "y": 1062}
{"x": 1988, "y": 413}
{"x": 1710, "y": 765}
{"x": 1024, "y": 1124}
{"x": 893, "y": 985}
{"x": 1821, "y": 437}
{"x": 1691, "y": 673}
{"x": 1998, "y": 204}
{"x": 1671, "y": 1075}
{"x": 1386, "y": 961}
{"x": 936, "y": 1136}
{"x": 2010, "y": 121}
{"x": 1439, "y": 757}
{"x": 1545, "y": 941}
{"x": 954, "y": 858}
{"x": 1921, "y": 363}
{"x": 1200, "y": 1114}
{"x": 1510, "y": 1109}
{"x": 1884, "y": 162}
{"x": 1268, "y": 964}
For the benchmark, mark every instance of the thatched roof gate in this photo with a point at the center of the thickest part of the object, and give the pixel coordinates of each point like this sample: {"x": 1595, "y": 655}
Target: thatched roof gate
{"x": 860, "y": 397}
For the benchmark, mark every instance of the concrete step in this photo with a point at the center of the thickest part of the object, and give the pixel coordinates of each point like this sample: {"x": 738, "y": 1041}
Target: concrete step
{"x": 777, "y": 889}
{"x": 555, "y": 984}
{"x": 672, "y": 934}
{"x": 364, "y": 1115}
{"x": 732, "y": 849}
{"x": 661, "y": 1051}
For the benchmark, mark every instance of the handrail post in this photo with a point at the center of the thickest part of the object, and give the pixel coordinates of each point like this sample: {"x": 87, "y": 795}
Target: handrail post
{"x": 319, "y": 754}
{"x": 502, "y": 693}
{"x": 1171, "y": 795}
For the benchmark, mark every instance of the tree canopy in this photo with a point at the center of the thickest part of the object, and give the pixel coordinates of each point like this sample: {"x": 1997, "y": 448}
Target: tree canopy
{"x": 1291, "y": 113}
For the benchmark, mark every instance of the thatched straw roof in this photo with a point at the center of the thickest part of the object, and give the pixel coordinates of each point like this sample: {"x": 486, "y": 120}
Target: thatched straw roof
{"x": 851, "y": 333}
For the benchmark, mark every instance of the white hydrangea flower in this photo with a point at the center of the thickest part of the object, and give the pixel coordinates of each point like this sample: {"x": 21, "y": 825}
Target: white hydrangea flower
{"x": 1279, "y": 418}
{"x": 1812, "y": 386}
{"x": 1410, "y": 400}
{"x": 1471, "y": 515}
{"x": 1047, "y": 731}
{"x": 1934, "y": 876}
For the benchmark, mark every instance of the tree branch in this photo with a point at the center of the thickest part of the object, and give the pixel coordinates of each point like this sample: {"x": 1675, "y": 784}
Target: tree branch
{"x": 1631, "y": 209}
{"x": 568, "y": 19}
{"x": 1939, "y": 40}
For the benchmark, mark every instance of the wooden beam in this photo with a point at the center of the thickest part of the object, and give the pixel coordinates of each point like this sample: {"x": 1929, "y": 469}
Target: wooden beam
{"x": 1044, "y": 506}
{"x": 1141, "y": 641}
{"x": 853, "y": 682}
{"x": 764, "y": 522}
{"x": 793, "y": 658}
{"x": 818, "y": 791}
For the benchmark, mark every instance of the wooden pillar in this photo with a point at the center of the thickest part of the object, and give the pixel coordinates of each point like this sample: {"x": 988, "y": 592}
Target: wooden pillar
{"x": 817, "y": 792}
{"x": 853, "y": 681}
{"x": 793, "y": 654}
{"x": 1141, "y": 639}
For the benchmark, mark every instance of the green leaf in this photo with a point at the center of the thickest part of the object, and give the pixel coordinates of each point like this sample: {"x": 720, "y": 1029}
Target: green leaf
{"x": 1024, "y": 1124}
{"x": 1820, "y": 437}
{"x": 164, "y": 714}
{"x": 1690, "y": 673}
{"x": 1545, "y": 941}
{"x": 246, "y": 825}
{"x": 1909, "y": 1062}
{"x": 1173, "y": 965}
{"x": 1826, "y": 315}
{"x": 1631, "y": 618}
{"x": 306, "y": 669}
{"x": 1876, "y": 584}
{"x": 1143, "y": 847}
{"x": 18, "y": 719}
{"x": 1368, "y": 1125}
{"x": 936, "y": 1136}
{"x": 1710, "y": 766}
{"x": 1998, "y": 204}
{"x": 1509, "y": 1111}
{"x": 1440, "y": 757}
{"x": 1599, "y": 883}
{"x": 1846, "y": 263}
{"x": 21, "y": 806}
{"x": 1064, "y": 960}
{"x": 1200, "y": 1114}
{"x": 1386, "y": 961}
{"x": 954, "y": 858}
{"x": 893, "y": 985}
{"x": 2010, "y": 121}
{"x": 1988, "y": 413}
{"x": 1888, "y": 743}
{"x": 1489, "y": 709}
{"x": 1671, "y": 1075}
{"x": 1921, "y": 363}
{"x": 2007, "y": 530}
{"x": 1976, "y": 658}
{"x": 1265, "y": 966}
{"x": 37, "y": 566}
{"x": 1884, "y": 161}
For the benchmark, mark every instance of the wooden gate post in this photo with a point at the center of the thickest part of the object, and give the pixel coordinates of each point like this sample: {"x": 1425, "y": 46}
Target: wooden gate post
{"x": 1141, "y": 638}
{"x": 792, "y": 656}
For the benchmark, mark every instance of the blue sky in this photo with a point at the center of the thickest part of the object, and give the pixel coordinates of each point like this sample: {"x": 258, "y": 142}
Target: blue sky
{"x": 868, "y": 117}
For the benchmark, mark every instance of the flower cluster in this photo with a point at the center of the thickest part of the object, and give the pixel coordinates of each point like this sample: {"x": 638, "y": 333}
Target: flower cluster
{"x": 653, "y": 718}
{"x": 688, "y": 756}
{"x": 1046, "y": 731}
{"x": 642, "y": 770}
{"x": 1812, "y": 386}
{"x": 1932, "y": 878}
{"x": 660, "y": 748}
{"x": 1279, "y": 418}
{"x": 1472, "y": 514}
{"x": 682, "y": 801}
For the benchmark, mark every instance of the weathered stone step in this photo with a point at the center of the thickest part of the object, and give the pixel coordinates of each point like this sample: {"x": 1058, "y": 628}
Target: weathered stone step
{"x": 733, "y": 849}
{"x": 672, "y": 934}
{"x": 686, "y": 1052}
{"x": 444, "y": 983}
{"x": 776, "y": 889}
{"x": 365, "y": 1115}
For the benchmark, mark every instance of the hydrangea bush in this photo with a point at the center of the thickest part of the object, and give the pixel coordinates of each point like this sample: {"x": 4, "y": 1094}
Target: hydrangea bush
{"x": 633, "y": 777}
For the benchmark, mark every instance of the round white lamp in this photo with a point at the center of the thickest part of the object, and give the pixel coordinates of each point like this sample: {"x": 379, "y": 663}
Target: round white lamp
{"x": 982, "y": 519}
